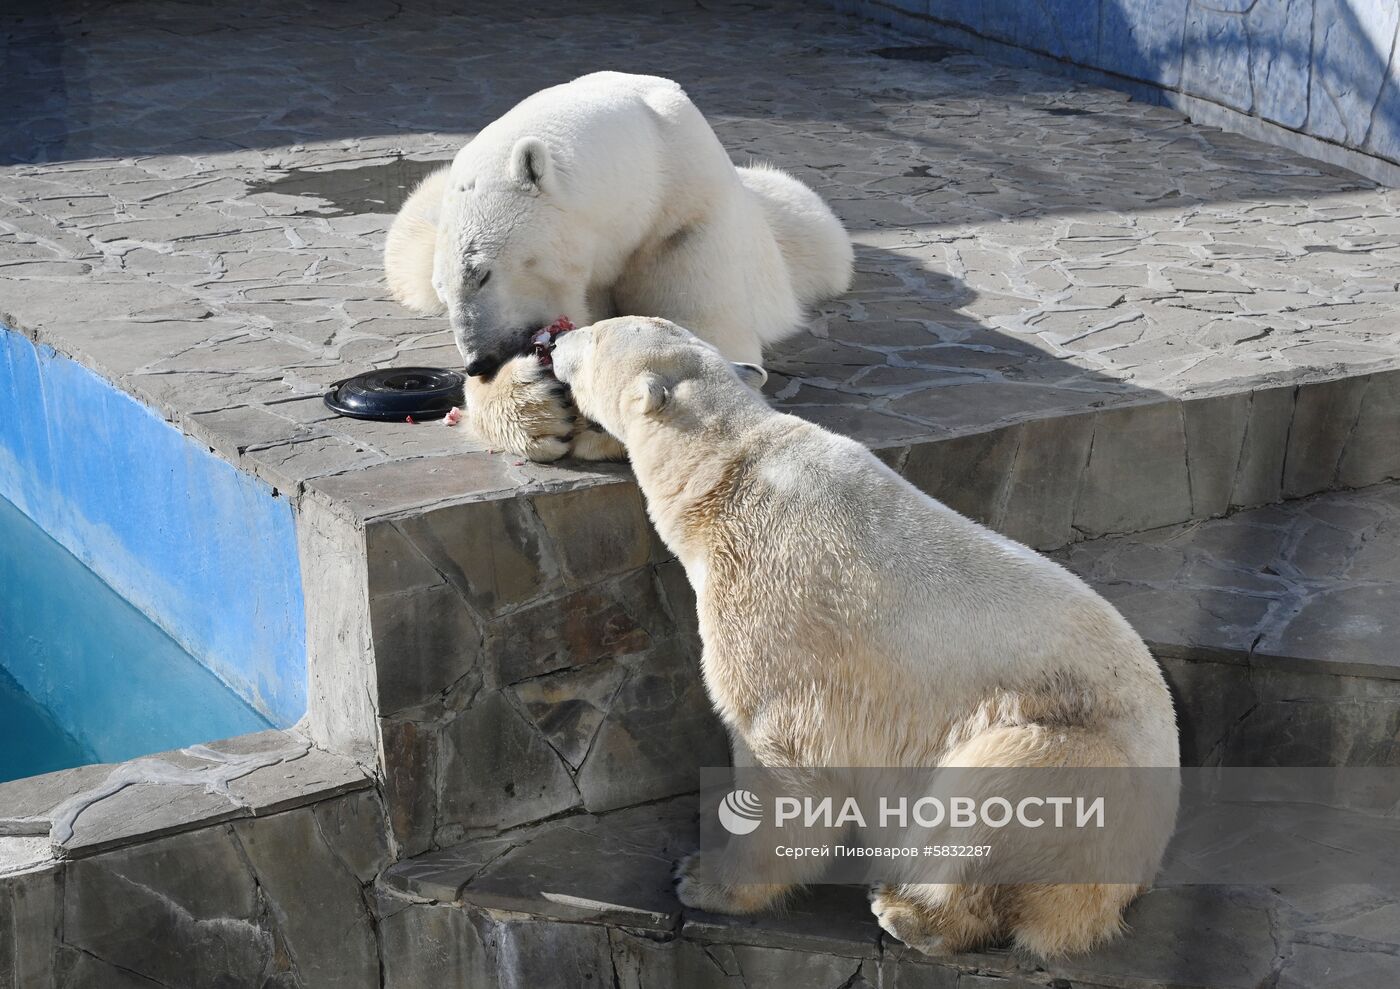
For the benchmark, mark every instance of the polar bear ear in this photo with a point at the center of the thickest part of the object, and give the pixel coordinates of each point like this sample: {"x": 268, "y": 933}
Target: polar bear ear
{"x": 651, "y": 394}
{"x": 530, "y": 162}
{"x": 752, "y": 375}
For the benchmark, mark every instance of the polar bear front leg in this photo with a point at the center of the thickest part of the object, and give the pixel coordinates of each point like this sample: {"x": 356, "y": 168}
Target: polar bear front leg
{"x": 525, "y": 411}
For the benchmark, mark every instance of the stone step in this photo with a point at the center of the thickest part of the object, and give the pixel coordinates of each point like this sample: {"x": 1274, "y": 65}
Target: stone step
{"x": 587, "y": 900}
{"x": 1277, "y": 626}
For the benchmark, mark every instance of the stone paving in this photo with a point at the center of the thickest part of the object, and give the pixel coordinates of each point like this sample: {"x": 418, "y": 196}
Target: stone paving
{"x": 1027, "y": 246}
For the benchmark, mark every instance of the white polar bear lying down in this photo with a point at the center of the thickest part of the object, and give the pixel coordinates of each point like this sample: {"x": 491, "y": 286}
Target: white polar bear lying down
{"x": 606, "y": 195}
{"x": 848, "y": 619}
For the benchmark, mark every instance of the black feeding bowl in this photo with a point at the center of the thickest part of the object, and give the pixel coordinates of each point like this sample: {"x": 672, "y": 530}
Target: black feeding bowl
{"x": 395, "y": 394}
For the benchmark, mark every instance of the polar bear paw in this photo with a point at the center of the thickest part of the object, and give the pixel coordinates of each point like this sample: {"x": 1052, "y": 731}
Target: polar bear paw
{"x": 699, "y": 887}
{"x": 906, "y": 921}
{"x": 703, "y": 893}
{"x": 592, "y": 442}
{"x": 526, "y": 411}
{"x": 523, "y": 409}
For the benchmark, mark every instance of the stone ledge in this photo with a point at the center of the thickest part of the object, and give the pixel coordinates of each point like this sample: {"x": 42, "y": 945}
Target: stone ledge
{"x": 589, "y": 897}
{"x": 1307, "y": 586}
{"x": 94, "y": 809}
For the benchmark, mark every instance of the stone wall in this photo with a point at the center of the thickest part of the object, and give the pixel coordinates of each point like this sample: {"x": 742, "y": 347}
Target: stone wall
{"x": 1319, "y": 76}
{"x": 534, "y": 655}
{"x": 249, "y": 862}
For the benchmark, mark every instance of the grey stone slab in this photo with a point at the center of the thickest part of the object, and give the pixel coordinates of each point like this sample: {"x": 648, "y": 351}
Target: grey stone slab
{"x": 412, "y": 757}
{"x": 425, "y": 641}
{"x": 535, "y": 954}
{"x": 355, "y": 829}
{"x": 824, "y": 919}
{"x": 440, "y": 876}
{"x": 498, "y": 771}
{"x": 30, "y": 914}
{"x": 597, "y": 530}
{"x": 659, "y": 731}
{"x": 99, "y": 808}
{"x": 614, "y": 869}
{"x": 1121, "y": 490}
{"x": 1259, "y": 477}
{"x": 432, "y": 946}
{"x": 770, "y": 966}
{"x": 613, "y": 618}
{"x": 1183, "y": 936}
{"x": 1371, "y": 453}
{"x": 1045, "y": 480}
{"x": 569, "y": 706}
{"x": 969, "y": 474}
{"x": 27, "y": 805}
{"x": 77, "y": 970}
{"x": 142, "y": 811}
{"x": 1215, "y": 432}
{"x": 493, "y": 553}
{"x": 1351, "y": 629}
{"x": 1324, "y": 415}
{"x": 314, "y": 896}
{"x": 297, "y": 781}
{"x": 393, "y": 563}
{"x": 1324, "y": 967}
{"x": 146, "y": 911}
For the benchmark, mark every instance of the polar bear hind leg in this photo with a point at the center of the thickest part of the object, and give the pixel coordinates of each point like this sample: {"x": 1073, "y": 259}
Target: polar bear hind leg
{"x": 1047, "y": 919}
{"x": 814, "y": 245}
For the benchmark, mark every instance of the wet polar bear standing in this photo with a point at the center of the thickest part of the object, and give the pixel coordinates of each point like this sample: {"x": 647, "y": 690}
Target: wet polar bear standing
{"x": 850, "y": 620}
{"x": 603, "y": 196}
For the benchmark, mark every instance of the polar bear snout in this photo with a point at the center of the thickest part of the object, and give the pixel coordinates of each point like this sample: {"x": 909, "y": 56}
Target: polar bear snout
{"x": 483, "y": 353}
{"x": 568, "y": 353}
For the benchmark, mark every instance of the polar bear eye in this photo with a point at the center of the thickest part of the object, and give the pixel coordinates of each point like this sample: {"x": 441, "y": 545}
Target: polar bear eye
{"x": 485, "y": 277}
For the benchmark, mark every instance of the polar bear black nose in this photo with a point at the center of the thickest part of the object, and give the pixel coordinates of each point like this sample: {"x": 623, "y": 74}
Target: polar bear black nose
{"x": 483, "y": 367}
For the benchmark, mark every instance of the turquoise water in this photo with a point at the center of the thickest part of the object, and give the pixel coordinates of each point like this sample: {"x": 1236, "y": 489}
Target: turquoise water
{"x": 84, "y": 676}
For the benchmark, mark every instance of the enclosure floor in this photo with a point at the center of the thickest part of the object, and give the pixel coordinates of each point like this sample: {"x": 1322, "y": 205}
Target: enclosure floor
{"x": 1026, "y": 245}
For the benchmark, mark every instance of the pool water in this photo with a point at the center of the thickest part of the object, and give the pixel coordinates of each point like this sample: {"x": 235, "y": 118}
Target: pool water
{"x": 84, "y": 676}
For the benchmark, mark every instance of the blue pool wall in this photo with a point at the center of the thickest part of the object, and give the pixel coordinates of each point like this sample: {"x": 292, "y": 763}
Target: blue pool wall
{"x": 84, "y": 676}
{"x": 1328, "y": 70}
{"x": 206, "y": 551}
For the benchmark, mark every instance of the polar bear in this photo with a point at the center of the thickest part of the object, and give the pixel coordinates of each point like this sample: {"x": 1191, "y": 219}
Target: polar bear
{"x": 606, "y": 195}
{"x": 849, "y": 620}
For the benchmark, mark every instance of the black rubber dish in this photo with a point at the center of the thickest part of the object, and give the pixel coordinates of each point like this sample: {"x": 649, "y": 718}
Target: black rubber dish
{"x": 396, "y": 394}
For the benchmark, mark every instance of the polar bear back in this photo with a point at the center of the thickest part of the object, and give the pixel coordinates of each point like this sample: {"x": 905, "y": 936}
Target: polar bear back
{"x": 919, "y": 595}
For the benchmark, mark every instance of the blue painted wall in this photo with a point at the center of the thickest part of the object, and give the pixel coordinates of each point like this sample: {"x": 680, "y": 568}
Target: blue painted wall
{"x": 1325, "y": 68}
{"x": 205, "y": 550}
{"x": 84, "y": 676}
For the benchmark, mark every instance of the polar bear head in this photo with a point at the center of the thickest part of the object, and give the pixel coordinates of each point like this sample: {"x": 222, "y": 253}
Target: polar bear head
{"x": 637, "y": 374}
{"x": 505, "y": 262}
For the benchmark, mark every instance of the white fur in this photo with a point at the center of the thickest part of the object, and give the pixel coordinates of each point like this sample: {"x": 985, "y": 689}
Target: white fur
{"x": 611, "y": 194}
{"x": 849, "y": 619}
